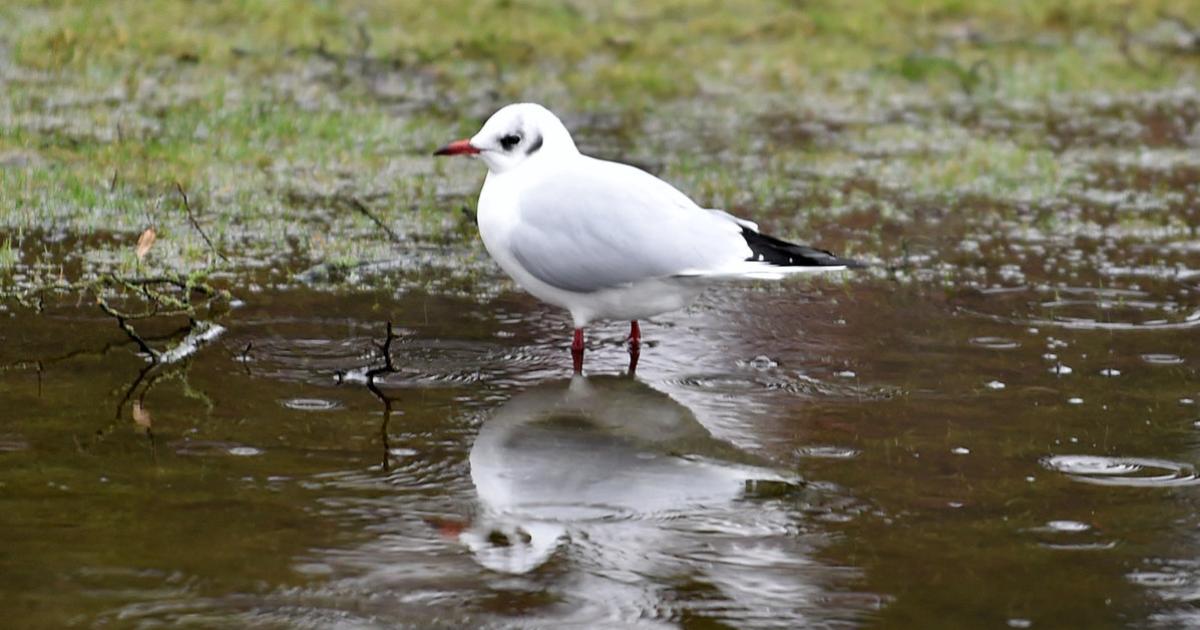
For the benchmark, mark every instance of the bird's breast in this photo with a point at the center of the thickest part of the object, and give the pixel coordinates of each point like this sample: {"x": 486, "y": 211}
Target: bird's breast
{"x": 496, "y": 216}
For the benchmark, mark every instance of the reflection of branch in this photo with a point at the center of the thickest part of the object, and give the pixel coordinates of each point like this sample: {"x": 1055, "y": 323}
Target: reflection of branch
{"x": 167, "y": 295}
{"x": 141, "y": 376}
{"x": 383, "y": 430}
{"x": 40, "y": 363}
{"x": 129, "y": 331}
{"x": 244, "y": 357}
{"x": 388, "y": 367}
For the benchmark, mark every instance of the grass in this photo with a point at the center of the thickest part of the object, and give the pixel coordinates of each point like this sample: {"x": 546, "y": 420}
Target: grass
{"x": 272, "y": 113}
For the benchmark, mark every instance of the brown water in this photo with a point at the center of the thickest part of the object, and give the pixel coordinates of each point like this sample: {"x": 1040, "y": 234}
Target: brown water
{"x": 879, "y": 453}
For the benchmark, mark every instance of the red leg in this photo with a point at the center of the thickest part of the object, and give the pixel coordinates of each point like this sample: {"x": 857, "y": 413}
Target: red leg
{"x": 577, "y": 350}
{"x": 635, "y": 345}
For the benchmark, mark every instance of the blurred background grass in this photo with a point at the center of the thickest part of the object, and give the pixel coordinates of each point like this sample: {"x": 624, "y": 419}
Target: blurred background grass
{"x": 274, "y": 114}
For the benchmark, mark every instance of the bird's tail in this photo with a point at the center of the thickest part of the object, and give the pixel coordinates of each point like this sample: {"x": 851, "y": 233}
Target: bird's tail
{"x": 780, "y": 253}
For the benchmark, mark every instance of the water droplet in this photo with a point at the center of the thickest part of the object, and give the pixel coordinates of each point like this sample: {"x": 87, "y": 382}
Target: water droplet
{"x": 1075, "y": 401}
{"x": 310, "y": 404}
{"x": 959, "y": 450}
{"x": 1061, "y": 370}
{"x": 244, "y": 451}
{"x": 1110, "y": 372}
{"x": 1017, "y": 622}
{"x": 1187, "y": 401}
{"x": 994, "y": 385}
{"x": 845, "y": 374}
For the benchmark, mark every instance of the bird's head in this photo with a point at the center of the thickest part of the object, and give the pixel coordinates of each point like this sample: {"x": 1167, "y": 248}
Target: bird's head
{"x": 513, "y": 135}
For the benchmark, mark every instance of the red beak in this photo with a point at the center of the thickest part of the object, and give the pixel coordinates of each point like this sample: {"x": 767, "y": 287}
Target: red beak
{"x": 458, "y": 147}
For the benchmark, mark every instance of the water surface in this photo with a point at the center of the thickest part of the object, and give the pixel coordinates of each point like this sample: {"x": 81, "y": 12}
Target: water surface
{"x": 838, "y": 455}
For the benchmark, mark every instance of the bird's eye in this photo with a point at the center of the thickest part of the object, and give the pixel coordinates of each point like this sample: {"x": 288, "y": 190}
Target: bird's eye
{"x": 510, "y": 141}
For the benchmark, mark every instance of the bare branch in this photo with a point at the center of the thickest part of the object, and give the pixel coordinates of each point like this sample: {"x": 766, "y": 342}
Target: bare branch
{"x": 357, "y": 204}
{"x": 187, "y": 207}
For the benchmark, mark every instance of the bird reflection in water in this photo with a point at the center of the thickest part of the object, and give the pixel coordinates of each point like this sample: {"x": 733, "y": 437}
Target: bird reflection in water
{"x": 606, "y": 460}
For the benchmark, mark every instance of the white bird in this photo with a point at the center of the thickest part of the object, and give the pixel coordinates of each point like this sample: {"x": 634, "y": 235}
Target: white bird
{"x": 606, "y": 240}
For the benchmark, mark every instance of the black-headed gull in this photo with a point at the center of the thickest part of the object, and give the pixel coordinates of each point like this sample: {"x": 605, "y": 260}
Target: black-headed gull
{"x": 606, "y": 240}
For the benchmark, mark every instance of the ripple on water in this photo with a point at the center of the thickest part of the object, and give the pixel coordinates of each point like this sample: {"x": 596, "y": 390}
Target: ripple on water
{"x": 1089, "y": 308}
{"x": 1123, "y": 471}
{"x": 211, "y": 448}
{"x": 760, "y": 362}
{"x": 827, "y": 452}
{"x": 310, "y": 404}
{"x": 793, "y": 383}
{"x": 12, "y": 443}
{"x": 727, "y": 383}
{"x": 1158, "y": 579}
{"x": 1162, "y": 359}
{"x": 995, "y": 343}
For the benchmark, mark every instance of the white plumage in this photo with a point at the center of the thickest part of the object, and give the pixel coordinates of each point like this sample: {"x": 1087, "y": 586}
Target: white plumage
{"x": 606, "y": 240}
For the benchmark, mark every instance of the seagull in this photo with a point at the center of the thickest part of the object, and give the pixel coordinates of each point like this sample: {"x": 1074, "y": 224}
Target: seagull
{"x": 606, "y": 240}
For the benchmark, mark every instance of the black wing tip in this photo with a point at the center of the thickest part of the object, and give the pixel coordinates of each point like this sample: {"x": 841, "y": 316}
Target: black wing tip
{"x": 781, "y": 253}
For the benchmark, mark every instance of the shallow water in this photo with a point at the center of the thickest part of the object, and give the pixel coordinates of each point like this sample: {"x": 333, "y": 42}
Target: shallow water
{"x": 837, "y": 455}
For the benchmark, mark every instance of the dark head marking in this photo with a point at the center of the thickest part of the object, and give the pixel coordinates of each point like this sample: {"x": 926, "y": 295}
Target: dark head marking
{"x": 534, "y": 146}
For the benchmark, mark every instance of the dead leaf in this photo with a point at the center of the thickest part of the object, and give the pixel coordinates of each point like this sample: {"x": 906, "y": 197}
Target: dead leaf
{"x": 140, "y": 415}
{"x": 145, "y": 242}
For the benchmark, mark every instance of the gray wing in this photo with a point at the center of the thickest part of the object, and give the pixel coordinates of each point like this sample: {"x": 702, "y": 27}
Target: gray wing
{"x": 601, "y": 224}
